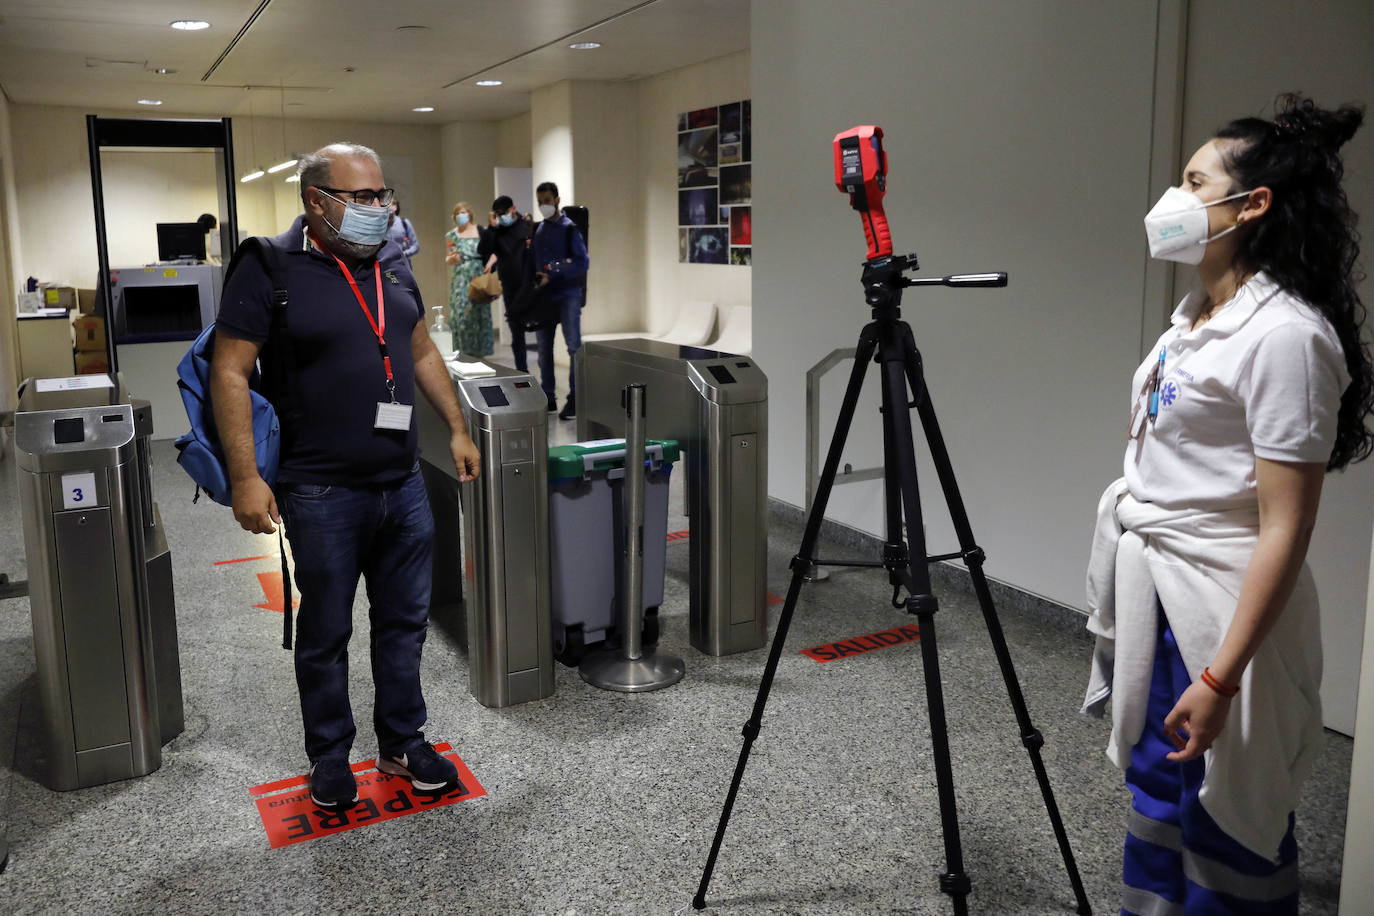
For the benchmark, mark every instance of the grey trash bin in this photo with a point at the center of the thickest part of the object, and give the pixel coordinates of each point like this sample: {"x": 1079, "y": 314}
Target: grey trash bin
{"x": 104, "y": 621}
{"x": 587, "y": 540}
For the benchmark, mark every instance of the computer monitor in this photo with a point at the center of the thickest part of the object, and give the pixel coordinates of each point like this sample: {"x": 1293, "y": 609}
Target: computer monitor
{"x": 180, "y": 241}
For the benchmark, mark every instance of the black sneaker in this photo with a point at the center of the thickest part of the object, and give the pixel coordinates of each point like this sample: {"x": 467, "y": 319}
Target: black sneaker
{"x": 429, "y": 773}
{"x": 553, "y": 404}
{"x": 569, "y": 409}
{"x": 332, "y": 785}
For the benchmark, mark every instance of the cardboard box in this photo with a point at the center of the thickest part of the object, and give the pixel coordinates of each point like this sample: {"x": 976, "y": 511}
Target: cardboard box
{"x": 89, "y": 332}
{"x": 59, "y": 297}
{"x": 85, "y": 301}
{"x": 90, "y": 362}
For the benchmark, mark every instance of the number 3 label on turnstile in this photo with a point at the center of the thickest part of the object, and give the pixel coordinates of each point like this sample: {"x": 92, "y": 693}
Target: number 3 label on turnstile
{"x": 78, "y": 491}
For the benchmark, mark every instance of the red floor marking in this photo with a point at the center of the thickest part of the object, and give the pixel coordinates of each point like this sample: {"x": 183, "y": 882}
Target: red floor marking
{"x": 291, "y": 817}
{"x": 861, "y": 644}
{"x": 244, "y": 560}
{"x": 773, "y": 599}
{"x": 677, "y": 536}
{"x": 274, "y": 593}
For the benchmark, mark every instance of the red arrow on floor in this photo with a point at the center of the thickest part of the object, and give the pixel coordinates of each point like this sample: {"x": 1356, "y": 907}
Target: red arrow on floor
{"x": 274, "y": 593}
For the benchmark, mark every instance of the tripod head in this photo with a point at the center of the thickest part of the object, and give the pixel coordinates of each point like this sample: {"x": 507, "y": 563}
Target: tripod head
{"x": 884, "y": 280}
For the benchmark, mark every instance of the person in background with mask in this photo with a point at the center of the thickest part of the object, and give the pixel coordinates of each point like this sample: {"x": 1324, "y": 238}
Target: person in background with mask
{"x": 504, "y": 248}
{"x": 1205, "y": 612}
{"x": 349, "y": 489}
{"x": 469, "y": 322}
{"x": 402, "y": 232}
{"x": 560, "y": 261}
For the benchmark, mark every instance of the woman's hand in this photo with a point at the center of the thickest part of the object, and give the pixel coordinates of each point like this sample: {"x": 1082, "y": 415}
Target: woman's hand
{"x": 1201, "y": 714}
{"x": 452, "y": 257}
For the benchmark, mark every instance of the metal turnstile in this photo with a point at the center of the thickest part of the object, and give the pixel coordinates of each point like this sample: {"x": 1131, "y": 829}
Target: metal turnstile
{"x": 506, "y": 542}
{"x": 100, "y": 581}
{"x": 716, "y": 406}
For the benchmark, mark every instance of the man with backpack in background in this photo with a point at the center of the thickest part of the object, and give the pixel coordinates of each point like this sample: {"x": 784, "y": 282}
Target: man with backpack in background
{"x": 559, "y": 257}
{"x": 356, "y": 351}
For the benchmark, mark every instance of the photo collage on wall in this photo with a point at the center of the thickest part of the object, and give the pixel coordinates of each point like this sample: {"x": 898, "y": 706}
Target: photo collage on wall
{"x": 714, "y": 183}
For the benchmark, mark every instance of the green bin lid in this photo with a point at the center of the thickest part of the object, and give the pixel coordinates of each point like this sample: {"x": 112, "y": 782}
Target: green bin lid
{"x": 568, "y": 462}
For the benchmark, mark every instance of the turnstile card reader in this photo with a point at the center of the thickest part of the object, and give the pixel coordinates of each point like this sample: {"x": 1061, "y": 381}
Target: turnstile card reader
{"x": 100, "y": 584}
{"x": 716, "y": 406}
{"x": 506, "y": 535}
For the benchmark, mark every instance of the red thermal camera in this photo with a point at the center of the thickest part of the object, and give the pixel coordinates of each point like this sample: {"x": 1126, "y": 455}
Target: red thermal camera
{"x": 861, "y": 172}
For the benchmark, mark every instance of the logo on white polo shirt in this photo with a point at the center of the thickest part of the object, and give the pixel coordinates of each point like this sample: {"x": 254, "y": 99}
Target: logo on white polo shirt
{"x": 1168, "y": 394}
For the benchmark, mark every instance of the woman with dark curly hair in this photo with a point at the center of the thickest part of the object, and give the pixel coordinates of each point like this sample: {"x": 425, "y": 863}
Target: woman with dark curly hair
{"x": 1205, "y": 611}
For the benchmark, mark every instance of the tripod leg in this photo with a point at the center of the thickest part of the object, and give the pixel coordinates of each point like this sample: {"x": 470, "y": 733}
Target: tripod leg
{"x": 973, "y": 559}
{"x": 801, "y": 563}
{"x": 897, "y": 429}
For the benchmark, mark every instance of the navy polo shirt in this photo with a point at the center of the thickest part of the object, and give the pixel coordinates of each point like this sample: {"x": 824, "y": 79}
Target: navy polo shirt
{"x": 328, "y": 435}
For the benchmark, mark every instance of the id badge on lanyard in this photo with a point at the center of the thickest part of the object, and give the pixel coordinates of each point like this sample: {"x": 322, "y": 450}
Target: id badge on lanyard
{"x": 390, "y": 415}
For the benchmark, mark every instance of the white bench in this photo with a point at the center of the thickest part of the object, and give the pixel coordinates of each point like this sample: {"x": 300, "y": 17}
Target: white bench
{"x": 737, "y": 332}
{"x": 693, "y": 325}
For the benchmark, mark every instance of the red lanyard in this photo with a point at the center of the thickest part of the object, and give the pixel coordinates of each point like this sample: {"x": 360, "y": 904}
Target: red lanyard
{"x": 378, "y": 326}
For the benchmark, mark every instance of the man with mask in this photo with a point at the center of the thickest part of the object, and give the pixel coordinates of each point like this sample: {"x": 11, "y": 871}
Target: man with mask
{"x": 349, "y": 490}
{"x": 504, "y": 247}
{"x": 560, "y": 261}
{"x": 401, "y": 231}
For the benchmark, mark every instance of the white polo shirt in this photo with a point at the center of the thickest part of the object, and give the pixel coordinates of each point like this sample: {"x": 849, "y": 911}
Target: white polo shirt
{"x": 1262, "y": 378}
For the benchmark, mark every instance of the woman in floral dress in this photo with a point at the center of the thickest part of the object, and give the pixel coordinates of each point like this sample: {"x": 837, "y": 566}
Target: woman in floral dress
{"x": 469, "y": 323}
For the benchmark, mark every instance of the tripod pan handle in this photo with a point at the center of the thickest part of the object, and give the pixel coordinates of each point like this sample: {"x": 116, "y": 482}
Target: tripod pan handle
{"x": 996, "y": 278}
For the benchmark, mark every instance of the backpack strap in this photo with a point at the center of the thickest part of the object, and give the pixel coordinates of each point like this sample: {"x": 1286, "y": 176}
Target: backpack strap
{"x": 283, "y": 368}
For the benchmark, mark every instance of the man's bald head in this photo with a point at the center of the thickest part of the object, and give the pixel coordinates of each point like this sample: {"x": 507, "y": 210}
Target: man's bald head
{"x": 317, "y": 169}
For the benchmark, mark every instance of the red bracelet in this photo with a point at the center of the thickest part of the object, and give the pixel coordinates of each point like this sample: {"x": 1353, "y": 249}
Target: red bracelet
{"x": 1210, "y": 680}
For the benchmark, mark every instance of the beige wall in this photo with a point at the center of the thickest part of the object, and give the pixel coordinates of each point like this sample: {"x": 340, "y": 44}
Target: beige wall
{"x": 605, "y": 155}
{"x": 513, "y": 141}
{"x": 10, "y": 279}
{"x": 551, "y": 138}
{"x": 667, "y": 283}
{"x": 56, "y": 222}
{"x": 147, "y": 187}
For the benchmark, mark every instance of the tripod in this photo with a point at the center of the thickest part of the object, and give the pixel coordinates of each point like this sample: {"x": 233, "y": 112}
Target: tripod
{"x": 905, "y": 559}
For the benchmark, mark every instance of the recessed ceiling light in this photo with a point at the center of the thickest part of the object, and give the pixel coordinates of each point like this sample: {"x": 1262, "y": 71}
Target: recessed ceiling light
{"x": 163, "y": 71}
{"x": 150, "y": 101}
{"x": 488, "y": 82}
{"x": 585, "y": 45}
{"x": 190, "y": 25}
{"x": 258, "y": 173}
{"x": 412, "y": 28}
{"x": 423, "y": 108}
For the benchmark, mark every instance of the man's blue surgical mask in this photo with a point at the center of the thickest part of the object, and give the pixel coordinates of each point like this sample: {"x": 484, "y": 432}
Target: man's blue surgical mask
{"x": 361, "y": 225}
{"x": 506, "y": 219}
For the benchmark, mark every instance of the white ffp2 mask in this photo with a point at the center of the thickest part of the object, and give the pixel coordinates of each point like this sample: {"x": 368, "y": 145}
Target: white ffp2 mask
{"x": 1176, "y": 227}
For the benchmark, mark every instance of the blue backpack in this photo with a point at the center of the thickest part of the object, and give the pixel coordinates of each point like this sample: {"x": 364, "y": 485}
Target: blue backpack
{"x": 198, "y": 451}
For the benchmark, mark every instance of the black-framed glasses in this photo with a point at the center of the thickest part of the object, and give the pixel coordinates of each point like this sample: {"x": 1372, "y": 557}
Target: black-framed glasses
{"x": 365, "y": 196}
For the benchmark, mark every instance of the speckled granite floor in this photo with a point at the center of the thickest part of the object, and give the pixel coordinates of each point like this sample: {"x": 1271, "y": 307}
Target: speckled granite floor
{"x": 599, "y": 802}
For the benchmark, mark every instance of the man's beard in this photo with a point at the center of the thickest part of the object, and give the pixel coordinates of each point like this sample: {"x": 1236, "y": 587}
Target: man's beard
{"x": 347, "y": 248}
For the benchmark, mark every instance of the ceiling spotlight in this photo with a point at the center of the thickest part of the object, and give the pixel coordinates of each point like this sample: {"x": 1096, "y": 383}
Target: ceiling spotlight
{"x": 150, "y": 101}
{"x": 585, "y": 45}
{"x": 251, "y": 176}
{"x": 190, "y": 25}
{"x": 488, "y": 82}
{"x": 281, "y": 165}
{"x": 424, "y": 108}
{"x": 163, "y": 71}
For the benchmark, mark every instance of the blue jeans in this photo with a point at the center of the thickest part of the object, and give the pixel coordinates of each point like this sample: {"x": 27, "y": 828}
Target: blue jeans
{"x": 570, "y": 317}
{"x": 385, "y": 535}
